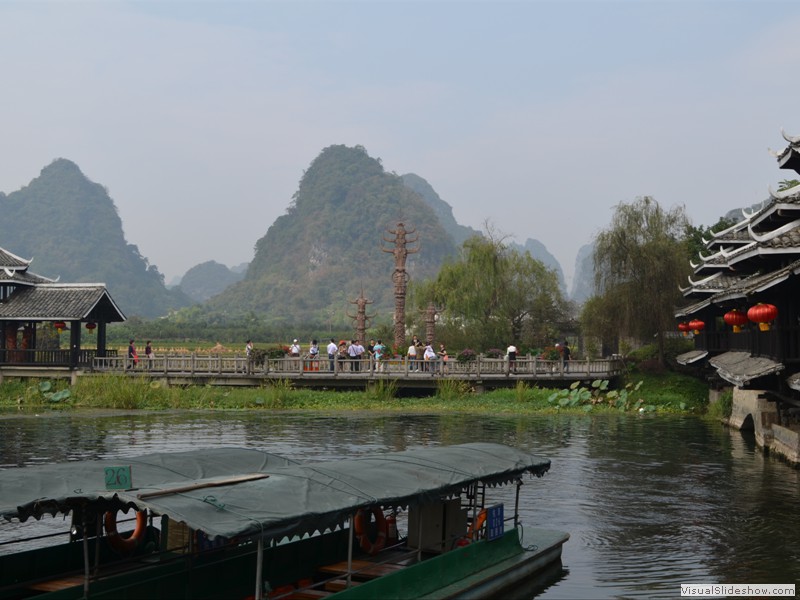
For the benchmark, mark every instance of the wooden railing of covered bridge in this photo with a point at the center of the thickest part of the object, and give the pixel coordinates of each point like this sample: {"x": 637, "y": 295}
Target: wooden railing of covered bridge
{"x": 323, "y": 371}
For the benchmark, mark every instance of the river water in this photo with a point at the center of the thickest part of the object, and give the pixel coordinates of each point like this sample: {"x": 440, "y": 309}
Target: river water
{"x": 650, "y": 501}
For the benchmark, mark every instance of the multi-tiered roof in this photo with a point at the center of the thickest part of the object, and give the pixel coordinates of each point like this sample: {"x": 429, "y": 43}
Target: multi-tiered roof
{"x": 754, "y": 260}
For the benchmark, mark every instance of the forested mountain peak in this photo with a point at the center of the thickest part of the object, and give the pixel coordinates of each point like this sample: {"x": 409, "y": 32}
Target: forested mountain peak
{"x": 71, "y": 228}
{"x": 319, "y": 256}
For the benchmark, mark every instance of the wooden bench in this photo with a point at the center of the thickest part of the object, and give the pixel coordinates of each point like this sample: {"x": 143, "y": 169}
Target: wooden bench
{"x": 54, "y": 585}
{"x": 362, "y": 569}
{"x": 308, "y": 595}
{"x": 337, "y": 585}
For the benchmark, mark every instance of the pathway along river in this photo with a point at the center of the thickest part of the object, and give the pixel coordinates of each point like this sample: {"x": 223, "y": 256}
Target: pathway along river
{"x": 650, "y": 501}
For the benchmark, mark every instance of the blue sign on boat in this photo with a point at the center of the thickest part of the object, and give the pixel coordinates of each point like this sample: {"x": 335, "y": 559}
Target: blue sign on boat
{"x": 494, "y": 522}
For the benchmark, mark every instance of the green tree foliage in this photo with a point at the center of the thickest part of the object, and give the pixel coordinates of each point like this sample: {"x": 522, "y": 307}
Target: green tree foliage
{"x": 493, "y": 295}
{"x": 71, "y": 227}
{"x": 640, "y": 262}
{"x": 697, "y": 236}
{"x": 326, "y": 249}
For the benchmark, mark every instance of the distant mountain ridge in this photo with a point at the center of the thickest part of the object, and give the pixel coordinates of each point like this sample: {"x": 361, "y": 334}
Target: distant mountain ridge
{"x": 208, "y": 279}
{"x": 70, "y": 227}
{"x": 311, "y": 263}
{"x": 316, "y": 259}
{"x": 460, "y": 233}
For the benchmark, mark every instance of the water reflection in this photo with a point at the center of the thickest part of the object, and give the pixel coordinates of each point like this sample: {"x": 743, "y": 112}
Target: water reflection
{"x": 650, "y": 502}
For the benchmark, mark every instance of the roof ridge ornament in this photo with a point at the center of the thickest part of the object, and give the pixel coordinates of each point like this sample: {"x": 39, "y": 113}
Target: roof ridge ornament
{"x": 792, "y": 139}
{"x": 774, "y": 233}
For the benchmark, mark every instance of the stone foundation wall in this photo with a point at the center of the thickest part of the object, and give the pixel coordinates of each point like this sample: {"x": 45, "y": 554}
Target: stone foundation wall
{"x": 786, "y": 443}
{"x": 770, "y": 436}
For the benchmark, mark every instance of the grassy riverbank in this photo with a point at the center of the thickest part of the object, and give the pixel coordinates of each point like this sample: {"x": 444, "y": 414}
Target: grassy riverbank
{"x": 668, "y": 392}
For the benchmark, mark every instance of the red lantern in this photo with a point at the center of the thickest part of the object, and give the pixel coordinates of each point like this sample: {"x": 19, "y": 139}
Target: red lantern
{"x": 91, "y": 326}
{"x": 735, "y": 318}
{"x": 697, "y": 325}
{"x": 684, "y": 328}
{"x": 60, "y": 326}
{"x": 762, "y": 314}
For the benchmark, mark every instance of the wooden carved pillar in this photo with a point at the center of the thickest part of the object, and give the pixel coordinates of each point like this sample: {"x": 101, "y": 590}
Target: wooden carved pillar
{"x": 27, "y": 343}
{"x": 400, "y": 277}
{"x": 11, "y": 335}
{"x": 361, "y": 318}
{"x": 430, "y": 314}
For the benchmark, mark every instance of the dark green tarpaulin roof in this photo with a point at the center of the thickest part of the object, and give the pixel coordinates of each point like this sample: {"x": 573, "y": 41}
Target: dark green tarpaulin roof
{"x": 294, "y": 499}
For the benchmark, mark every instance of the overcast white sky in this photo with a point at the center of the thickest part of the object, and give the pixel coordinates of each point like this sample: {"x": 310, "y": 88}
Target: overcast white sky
{"x": 541, "y": 116}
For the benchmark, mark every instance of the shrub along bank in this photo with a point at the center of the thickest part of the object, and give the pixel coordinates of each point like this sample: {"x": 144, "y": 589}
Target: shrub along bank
{"x": 665, "y": 392}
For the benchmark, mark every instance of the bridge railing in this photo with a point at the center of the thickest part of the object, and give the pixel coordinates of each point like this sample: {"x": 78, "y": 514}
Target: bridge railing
{"x": 48, "y": 358}
{"x": 236, "y": 364}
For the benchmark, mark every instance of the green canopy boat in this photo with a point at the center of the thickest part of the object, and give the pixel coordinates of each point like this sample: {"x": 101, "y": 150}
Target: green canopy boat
{"x": 242, "y": 523}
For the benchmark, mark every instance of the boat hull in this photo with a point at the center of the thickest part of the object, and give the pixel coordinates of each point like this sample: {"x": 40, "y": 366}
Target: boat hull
{"x": 481, "y": 570}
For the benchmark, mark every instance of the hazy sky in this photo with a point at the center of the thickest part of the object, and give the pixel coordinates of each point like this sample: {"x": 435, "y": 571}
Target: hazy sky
{"x": 200, "y": 117}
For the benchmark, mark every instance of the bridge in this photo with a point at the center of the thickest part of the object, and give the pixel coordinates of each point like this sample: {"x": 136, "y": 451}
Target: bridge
{"x": 225, "y": 369}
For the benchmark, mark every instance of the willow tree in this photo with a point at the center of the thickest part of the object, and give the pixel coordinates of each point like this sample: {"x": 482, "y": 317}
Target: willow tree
{"x": 496, "y": 294}
{"x": 639, "y": 263}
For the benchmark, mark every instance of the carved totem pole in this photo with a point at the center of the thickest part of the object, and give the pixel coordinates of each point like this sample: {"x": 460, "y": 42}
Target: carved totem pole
{"x": 400, "y": 277}
{"x": 430, "y": 315}
{"x": 361, "y": 318}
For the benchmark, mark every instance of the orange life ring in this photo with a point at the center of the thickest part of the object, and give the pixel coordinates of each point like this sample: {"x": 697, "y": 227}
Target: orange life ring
{"x": 360, "y": 524}
{"x": 125, "y": 545}
{"x": 476, "y": 526}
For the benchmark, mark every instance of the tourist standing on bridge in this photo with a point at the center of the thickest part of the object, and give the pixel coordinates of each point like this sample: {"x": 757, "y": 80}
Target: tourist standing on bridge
{"x": 248, "y": 352}
{"x": 566, "y": 354}
{"x": 377, "y": 354}
{"x": 442, "y": 354}
{"x": 511, "y": 353}
{"x": 428, "y": 356}
{"x": 355, "y": 356}
{"x": 342, "y": 356}
{"x": 332, "y": 348}
{"x": 413, "y": 365}
{"x": 148, "y": 352}
{"x": 133, "y": 358}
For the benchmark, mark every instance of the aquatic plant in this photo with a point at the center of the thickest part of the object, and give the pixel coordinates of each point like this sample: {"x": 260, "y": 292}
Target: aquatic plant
{"x": 382, "y": 390}
{"x": 598, "y": 393}
{"x": 451, "y": 390}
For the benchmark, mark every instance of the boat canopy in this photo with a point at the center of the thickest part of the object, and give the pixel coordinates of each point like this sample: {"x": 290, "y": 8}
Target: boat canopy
{"x": 235, "y": 492}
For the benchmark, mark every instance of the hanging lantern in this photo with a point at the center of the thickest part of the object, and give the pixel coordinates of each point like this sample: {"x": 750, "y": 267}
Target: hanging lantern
{"x": 696, "y": 325}
{"x": 91, "y": 326}
{"x": 60, "y": 326}
{"x": 684, "y": 328}
{"x": 763, "y": 314}
{"x": 735, "y": 318}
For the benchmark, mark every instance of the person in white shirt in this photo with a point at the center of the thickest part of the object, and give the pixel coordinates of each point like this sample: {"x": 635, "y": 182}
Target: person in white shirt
{"x": 428, "y": 356}
{"x": 332, "y": 349}
{"x": 412, "y": 358}
{"x": 511, "y": 353}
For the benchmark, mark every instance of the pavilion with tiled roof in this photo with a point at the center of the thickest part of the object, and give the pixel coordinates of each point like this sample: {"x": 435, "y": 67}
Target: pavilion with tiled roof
{"x": 31, "y": 305}
{"x": 755, "y": 261}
